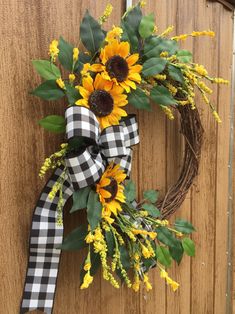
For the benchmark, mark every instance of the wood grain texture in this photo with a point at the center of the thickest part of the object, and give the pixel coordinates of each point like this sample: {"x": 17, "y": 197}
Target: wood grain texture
{"x": 26, "y": 28}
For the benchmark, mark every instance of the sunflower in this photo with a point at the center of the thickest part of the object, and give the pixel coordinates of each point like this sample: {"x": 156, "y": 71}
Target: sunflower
{"x": 111, "y": 191}
{"x": 104, "y": 99}
{"x": 118, "y": 65}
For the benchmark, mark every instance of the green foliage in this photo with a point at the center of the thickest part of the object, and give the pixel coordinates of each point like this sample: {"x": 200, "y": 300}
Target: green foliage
{"x": 125, "y": 258}
{"x": 65, "y": 54}
{"x": 183, "y": 226}
{"x": 133, "y": 18}
{"x": 46, "y": 69}
{"x": 48, "y": 90}
{"x": 177, "y": 251}
{"x": 130, "y": 191}
{"x": 163, "y": 256}
{"x": 95, "y": 264}
{"x": 75, "y": 240}
{"x": 110, "y": 242}
{"x": 184, "y": 56}
{"x": 161, "y": 96}
{"x": 151, "y": 196}
{"x": 189, "y": 246}
{"x": 53, "y": 123}
{"x": 72, "y": 94}
{"x": 153, "y": 66}
{"x": 154, "y": 46}
{"x": 152, "y": 210}
{"x": 94, "y": 209}
{"x": 91, "y": 33}
{"x": 176, "y": 74}
{"x": 139, "y": 99}
{"x": 149, "y": 263}
{"x": 130, "y": 35}
{"x": 146, "y": 26}
{"x": 166, "y": 237}
{"x": 80, "y": 199}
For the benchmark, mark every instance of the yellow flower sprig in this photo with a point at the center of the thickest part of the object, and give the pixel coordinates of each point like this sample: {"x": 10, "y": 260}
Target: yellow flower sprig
{"x": 107, "y": 12}
{"x": 163, "y": 274}
{"x": 194, "y": 34}
{"x": 53, "y": 50}
{"x": 54, "y": 161}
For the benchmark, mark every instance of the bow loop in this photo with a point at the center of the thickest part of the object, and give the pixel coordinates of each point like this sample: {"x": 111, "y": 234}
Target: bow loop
{"x": 112, "y": 141}
{"x": 80, "y": 121}
{"x": 113, "y": 144}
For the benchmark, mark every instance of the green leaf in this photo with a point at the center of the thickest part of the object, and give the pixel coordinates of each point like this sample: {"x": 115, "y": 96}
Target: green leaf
{"x": 161, "y": 96}
{"x": 166, "y": 237}
{"x": 91, "y": 33}
{"x": 148, "y": 263}
{"x": 139, "y": 99}
{"x": 130, "y": 36}
{"x": 184, "y": 226}
{"x": 130, "y": 191}
{"x": 94, "y": 209}
{"x": 95, "y": 264}
{"x": 189, "y": 246}
{"x": 53, "y": 123}
{"x": 146, "y": 26}
{"x": 184, "y": 56}
{"x": 72, "y": 94}
{"x": 133, "y": 18}
{"x": 151, "y": 195}
{"x": 177, "y": 252}
{"x": 80, "y": 199}
{"x": 175, "y": 74}
{"x": 154, "y": 46}
{"x": 125, "y": 258}
{"x": 163, "y": 256}
{"x": 152, "y": 210}
{"x": 46, "y": 69}
{"x": 48, "y": 90}
{"x": 153, "y": 66}
{"x": 110, "y": 242}
{"x": 65, "y": 54}
{"x": 75, "y": 240}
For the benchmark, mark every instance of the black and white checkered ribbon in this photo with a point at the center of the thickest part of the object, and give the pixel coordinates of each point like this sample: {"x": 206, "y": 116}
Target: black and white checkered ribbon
{"x": 112, "y": 144}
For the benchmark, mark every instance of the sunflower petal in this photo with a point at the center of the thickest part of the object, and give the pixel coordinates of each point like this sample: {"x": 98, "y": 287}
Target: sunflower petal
{"x": 135, "y": 77}
{"x": 105, "y": 193}
{"x": 132, "y": 59}
{"x": 124, "y": 49}
{"x": 97, "y": 67}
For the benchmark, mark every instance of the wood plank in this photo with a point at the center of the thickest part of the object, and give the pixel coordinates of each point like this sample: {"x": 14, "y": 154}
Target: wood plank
{"x": 152, "y": 163}
{"x": 223, "y": 132}
{"x": 203, "y": 202}
{"x": 179, "y": 302}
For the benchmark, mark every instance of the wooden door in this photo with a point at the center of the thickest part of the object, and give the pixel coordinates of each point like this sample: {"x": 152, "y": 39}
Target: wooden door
{"x": 27, "y": 27}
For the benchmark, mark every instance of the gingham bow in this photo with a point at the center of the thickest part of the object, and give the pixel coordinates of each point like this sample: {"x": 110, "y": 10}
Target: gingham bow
{"x": 112, "y": 144}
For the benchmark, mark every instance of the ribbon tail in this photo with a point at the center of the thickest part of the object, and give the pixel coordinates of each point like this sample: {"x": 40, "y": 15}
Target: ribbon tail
{"x": 44, "y": 257}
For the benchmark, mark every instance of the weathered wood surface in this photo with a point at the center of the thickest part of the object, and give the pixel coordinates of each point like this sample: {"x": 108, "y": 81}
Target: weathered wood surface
{"x": 26, "y": 29}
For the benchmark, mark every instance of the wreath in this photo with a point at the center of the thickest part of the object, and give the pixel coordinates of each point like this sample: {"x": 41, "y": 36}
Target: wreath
{"x": 131, "y": 63}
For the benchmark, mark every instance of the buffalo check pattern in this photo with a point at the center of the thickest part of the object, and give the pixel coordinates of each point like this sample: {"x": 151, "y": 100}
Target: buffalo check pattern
{"x": 82, "y": 122}
{"x": 44, "y": 257}
{"x": 84, "y": 169}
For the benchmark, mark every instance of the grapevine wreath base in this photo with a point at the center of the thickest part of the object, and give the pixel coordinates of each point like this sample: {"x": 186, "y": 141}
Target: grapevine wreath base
{"x": 123, "y": 235}
{"x": 192, "y": 130}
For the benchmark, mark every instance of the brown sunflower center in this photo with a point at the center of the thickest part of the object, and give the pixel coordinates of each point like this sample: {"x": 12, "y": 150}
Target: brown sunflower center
{"x": 117, "y": 67}
{"x": 112, "y": 188}
{"x": 101, "y": 103}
